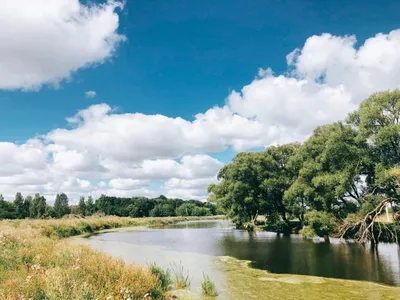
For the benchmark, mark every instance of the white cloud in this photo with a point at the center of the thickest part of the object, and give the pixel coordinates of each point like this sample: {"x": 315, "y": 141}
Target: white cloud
{"x": 127, "y": 183}
{"x": 90, "y": 94}
{"x": 44, "y": 42}
{"x": 327, "y": 78}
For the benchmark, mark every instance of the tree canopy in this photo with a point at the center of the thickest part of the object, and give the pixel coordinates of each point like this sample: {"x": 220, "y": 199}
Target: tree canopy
{"x": 343, "y": 171}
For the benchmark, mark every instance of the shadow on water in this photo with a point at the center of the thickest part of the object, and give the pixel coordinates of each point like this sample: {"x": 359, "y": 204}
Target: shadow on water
{"x": 265, "y": 250}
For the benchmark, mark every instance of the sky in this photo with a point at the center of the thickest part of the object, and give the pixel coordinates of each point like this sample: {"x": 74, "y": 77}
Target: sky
{"x": 151, "y": 97}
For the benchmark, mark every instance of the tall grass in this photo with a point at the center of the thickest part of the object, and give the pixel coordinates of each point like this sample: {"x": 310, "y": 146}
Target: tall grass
{"x": 181, "y": 277}
{"x": 208, "y": 287}
{"x": 36, "y": 263}
{"x": 163, "y": 276}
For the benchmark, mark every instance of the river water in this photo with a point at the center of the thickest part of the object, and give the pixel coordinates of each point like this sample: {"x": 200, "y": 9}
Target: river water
{"x": 195, "y": 244}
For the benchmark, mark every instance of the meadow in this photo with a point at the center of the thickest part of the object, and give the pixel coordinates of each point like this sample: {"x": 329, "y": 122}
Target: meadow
{"x": 37, "y": 262}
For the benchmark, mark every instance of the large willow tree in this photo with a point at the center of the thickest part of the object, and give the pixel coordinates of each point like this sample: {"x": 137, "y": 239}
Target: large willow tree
{"x": 346, "y": 170}
{"x": 254, "y": 184}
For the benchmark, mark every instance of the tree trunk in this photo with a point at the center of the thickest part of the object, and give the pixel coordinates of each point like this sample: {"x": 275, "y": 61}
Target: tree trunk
{"x": 326, "y": 238}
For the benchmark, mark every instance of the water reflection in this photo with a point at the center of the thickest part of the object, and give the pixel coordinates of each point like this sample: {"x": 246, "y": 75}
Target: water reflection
{"x": 196, "y": 241}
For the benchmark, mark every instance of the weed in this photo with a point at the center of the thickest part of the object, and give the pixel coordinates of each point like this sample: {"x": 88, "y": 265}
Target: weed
{"x": 181, "y": 277}
{"x": 208, "y": 287}
{"x": 163, "y": 276}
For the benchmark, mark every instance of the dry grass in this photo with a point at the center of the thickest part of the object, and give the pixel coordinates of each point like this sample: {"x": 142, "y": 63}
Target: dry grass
{"x": 36, "y": 263}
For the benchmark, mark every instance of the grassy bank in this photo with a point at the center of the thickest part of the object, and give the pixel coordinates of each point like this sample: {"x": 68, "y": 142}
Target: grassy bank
{"x": 36, "y": 263}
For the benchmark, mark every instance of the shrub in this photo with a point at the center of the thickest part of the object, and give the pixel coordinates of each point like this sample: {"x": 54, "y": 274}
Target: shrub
{"x": 307, "y": 232}
{"x": 322, "y": 223}
{"x": 163, "y": 276}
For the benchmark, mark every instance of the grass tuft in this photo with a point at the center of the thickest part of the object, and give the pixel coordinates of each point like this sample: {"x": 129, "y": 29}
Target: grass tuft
{"x": 208, "y": 287}
{"x": 181, "y": 277}
{"x": 163, "y": 276}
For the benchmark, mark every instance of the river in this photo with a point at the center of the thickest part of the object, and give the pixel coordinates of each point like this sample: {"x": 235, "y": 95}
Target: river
{"x": 196, "y": 244}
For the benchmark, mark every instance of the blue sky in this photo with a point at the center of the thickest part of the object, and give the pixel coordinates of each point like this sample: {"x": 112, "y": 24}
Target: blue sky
{"x": 178, "y": 59}
{"x": 183, "y": 57}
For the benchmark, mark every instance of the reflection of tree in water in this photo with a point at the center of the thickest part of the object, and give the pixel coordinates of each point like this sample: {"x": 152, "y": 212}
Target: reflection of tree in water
{"x": 282, "y": 254}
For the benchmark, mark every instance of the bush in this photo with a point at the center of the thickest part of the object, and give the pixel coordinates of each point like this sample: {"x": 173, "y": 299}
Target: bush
{"x": 163, "y": 276}
{"x": 322, "y": 223}
{"x": 307, "y": 232}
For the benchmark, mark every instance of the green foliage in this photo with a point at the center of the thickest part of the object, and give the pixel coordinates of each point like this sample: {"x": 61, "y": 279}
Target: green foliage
{"x": 90, "y": 206}
{"x": 163, "y": 276}
{"x": 186, "y": 209}
{"x": 37, "y": 209}
{"x": 82, "y": 206}
{"x": 308, "y": 232}
{"x": 61, "y": 207}
{"x": 208, "y": 287}
{"x": 344, "y": 168}
{"x": 254, "y": 184}
{"x": 275, "y": 223}
{"x": 320, "y": 222}
{"x": 162, "y": 210}
{"x": 7, "y": 209}
{"x": 377, "y": 121}
{"x": 330, "y": 166}
{"x": 249, "y": 226}
{"x": 19, "y": 206}
{"x": 181, "y": 277}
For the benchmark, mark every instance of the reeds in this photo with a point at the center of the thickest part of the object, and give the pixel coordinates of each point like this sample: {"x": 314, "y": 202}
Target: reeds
{"x": 208, "y": 287}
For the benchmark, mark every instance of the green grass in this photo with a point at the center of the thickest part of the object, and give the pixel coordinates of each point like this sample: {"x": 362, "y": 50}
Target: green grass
{"x": 163, "y": 276}
{"x": 180, "y": 276}
{"x": 37, "y": 262}
{"x": 208, "y": 287}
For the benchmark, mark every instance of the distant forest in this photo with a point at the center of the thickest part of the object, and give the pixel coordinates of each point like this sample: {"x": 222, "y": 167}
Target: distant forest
{"x": 37, "y": 208}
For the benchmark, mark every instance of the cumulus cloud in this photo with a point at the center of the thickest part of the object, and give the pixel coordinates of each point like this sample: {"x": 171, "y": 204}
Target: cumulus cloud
{"x": 106, "y": 152}
{"x": 127, "y": 183}
{"x": 90, "y": 94}
{"x": 46, "y": 41}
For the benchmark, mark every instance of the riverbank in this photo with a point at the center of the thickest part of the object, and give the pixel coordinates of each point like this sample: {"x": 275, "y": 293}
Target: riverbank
{"x": 192, "y": 246}
{"x": 36, "y": 262}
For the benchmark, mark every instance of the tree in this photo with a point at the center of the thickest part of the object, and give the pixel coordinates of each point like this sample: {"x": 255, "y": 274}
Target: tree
{"x": 378, "y": 121}
{"x": 7, "y": 209}
{"x": 320, "y": 223}
{"x": 186, "y": 209}
{"x": 27, "y": 206}
{"x": 162, "y": 210}
{"x": 61, "y": 207}
{"x": 331, "y": 166}
{"x": 254, "y": 184}
{"x": 140, "y": 208}
{"x": 90, "y": 207}
{"x": 38, "y": 207}
{"x": 19, "y": 206}
{"x": 82, "y": 206}
{"x": 201, "y": 211}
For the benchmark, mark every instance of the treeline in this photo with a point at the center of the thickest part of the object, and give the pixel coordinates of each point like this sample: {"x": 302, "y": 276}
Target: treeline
{"x": 37, "y": 208}
{"x": 338, "y": 181}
